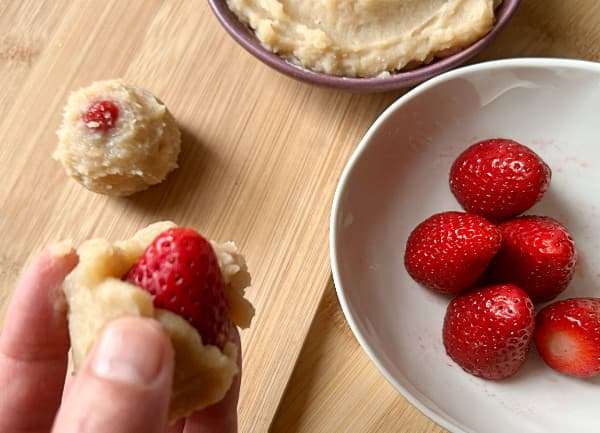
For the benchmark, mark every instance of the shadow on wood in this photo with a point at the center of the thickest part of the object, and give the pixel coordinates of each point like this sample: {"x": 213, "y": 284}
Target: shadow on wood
{"x": 170, "y": 196}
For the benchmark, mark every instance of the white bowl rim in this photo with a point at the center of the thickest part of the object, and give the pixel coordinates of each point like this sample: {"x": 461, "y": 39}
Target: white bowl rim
{"x": 357, "y": 154}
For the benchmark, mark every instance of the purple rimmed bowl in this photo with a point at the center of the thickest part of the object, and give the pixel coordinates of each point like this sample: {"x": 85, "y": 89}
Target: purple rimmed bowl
{"x": 246, "y": 38}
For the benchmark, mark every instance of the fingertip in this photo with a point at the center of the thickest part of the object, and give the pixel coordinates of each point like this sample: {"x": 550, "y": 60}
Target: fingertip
{"x": 146, "y": 328}
{"x": 124, "y": 386}
{"x": 61, "y": 248}
{"x": 48, "y": 270}
{"x": 133, "y": 350}
{"x": 61, "y": 256}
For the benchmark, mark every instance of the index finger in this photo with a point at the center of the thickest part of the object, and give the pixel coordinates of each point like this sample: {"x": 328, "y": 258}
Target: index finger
{"x": 34, "y": 345}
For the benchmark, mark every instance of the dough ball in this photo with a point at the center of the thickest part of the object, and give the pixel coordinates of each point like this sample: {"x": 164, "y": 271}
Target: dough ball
{"x": 96, "y": 295}
{"x": 117, "y": 139}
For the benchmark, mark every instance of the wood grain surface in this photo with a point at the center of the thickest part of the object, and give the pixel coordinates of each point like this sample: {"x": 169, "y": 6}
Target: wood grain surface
{"x": 261, "y": 157}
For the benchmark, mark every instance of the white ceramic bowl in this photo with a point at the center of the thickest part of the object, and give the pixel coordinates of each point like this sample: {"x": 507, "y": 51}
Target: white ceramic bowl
{"x": 398, "y": 176}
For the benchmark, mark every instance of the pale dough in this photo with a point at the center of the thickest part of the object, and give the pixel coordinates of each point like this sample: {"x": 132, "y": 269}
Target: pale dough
{"x": 139, "y": 151}
{"x": 365, "y": 37}
{"x": 96, "y": 295}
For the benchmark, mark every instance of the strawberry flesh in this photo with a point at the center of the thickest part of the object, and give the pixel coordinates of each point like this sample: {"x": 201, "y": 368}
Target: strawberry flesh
{"x": 499, "y": 179}
{"x": 567, "y": 336}
{"x": 181, "y": 272}
{"x": 537, "y": 254}
{"x": 450, "y": 251}
{"x": 101, "y": 116}
{"x": 488, "y": 332}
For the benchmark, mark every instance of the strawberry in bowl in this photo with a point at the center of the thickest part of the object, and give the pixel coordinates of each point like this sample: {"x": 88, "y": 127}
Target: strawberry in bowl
{"x": 567, "y": 336}
{"x": 489, "y": 332}
{"x": 538, "y": 254}
{"x": 450, "y": 251}
{"x": 499, "y": 179}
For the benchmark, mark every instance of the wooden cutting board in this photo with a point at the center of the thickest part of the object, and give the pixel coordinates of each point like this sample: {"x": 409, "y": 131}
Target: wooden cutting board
{"x": 261, "y": 156}
{"x": 335, "y": 387}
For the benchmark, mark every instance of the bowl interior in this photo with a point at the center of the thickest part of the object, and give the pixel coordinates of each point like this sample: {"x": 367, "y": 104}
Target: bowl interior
{"x": 246, "y": 38}
{"x": 398, "y": 177}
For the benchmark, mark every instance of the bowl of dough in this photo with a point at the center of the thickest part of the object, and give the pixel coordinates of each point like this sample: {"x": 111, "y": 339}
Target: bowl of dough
{"x": 372, "y": 46}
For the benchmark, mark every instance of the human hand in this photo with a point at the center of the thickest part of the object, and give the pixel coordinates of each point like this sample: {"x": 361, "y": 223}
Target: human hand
{"x": 123, "y": 387}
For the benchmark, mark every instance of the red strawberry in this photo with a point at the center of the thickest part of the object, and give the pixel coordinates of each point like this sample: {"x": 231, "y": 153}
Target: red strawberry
{"x": 537, "y": 254}
{"x": 181, "y": 271}
{"x": 499, "y": 179}
{"x": 567, "y": 336}
{"x": 449, "y": 251}
{"x": 488, "y": 332}
{"x": 101, "y": 115}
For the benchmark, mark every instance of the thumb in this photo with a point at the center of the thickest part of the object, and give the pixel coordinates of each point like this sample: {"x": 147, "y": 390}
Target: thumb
{"x": 125, "y": 384}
